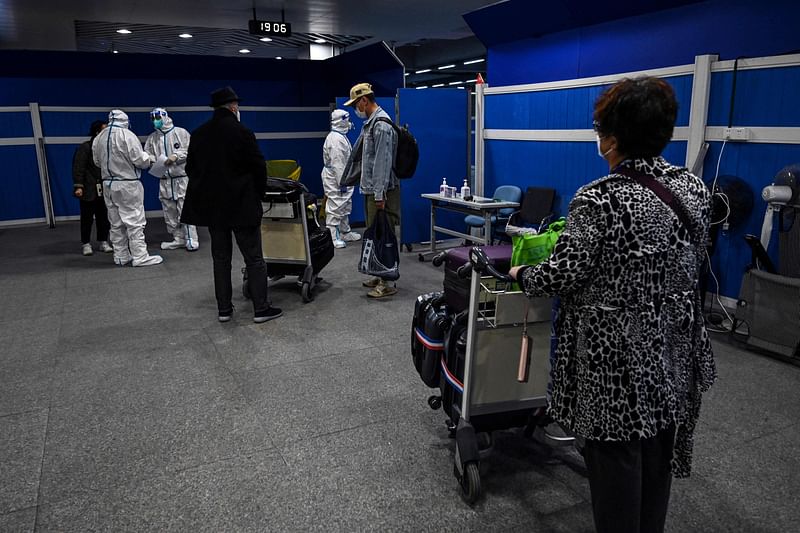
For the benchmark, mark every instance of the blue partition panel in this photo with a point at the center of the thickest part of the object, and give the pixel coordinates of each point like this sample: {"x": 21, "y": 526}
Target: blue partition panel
{"x": 307, "y": 153}
{"x": 16, "y": 124}
{"x": 442, "y": 140}
{"x": 565, "y": 109}
{"x": 387, "y": 104}
{"x": 21, "y": 195}
{"x": 764, "y": 97}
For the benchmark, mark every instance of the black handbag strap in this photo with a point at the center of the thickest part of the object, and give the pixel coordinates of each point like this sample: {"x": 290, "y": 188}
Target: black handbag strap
{"x": 664, "y": 194}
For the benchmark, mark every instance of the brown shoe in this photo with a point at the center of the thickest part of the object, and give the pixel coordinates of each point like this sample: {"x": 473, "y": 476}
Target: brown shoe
{"x": 381, "y": 291}
{"x": 372, "y": 283}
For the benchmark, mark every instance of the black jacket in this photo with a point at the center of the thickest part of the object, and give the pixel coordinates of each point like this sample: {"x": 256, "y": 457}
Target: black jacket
{"x": 85, "y": 174}
{"x": 227, "y": 175}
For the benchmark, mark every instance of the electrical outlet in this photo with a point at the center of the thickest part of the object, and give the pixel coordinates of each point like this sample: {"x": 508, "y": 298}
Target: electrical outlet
{"x": 736, "y": 134}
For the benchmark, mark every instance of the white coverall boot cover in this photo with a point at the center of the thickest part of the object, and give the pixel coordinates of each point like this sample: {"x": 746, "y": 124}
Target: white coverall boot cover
{"x": 337, "y": 241}
{"x": 350, "y": 236}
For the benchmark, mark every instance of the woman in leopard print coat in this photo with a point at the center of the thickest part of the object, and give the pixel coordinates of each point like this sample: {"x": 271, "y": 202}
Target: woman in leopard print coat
{"x": 633, "y": 356}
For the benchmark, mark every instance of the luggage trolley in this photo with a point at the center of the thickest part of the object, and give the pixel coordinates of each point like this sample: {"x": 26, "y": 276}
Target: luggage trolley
{"x": 491, "y": 397}
{"x": 292, "y": 239}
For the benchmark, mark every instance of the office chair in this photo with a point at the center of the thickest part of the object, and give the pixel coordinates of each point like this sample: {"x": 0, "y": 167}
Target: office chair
{"x": 505, "y": 193}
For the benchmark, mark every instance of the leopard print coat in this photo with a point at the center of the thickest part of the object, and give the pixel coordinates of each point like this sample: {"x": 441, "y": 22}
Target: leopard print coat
{"x": 633, "y": 353}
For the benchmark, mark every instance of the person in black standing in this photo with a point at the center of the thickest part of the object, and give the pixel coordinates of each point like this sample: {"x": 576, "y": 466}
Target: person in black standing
{"x": 88, "y": 188}
{"x": 227, "y": 178}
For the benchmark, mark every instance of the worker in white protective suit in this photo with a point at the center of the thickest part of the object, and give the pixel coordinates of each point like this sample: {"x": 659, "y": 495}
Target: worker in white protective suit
{"x": 121, "y": 158}
{"x": 172, "y": 142}
{"x": 335, "y": 153}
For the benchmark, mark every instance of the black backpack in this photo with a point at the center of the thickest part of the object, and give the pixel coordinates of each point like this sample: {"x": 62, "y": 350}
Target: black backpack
{"x": 405, "y": 162}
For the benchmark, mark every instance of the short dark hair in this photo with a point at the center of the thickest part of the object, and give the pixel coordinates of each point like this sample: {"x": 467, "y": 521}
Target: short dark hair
{"x": 640, "y": 113}
{"x": 370, "y": 97}
{"x": 96, "y": 127}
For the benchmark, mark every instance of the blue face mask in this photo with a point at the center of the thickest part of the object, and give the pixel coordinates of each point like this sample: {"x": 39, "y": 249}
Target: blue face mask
{"x": 158, "y": 123}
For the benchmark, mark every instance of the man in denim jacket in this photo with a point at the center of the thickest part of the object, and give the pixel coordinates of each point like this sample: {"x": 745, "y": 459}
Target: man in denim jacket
{"x": 379, "y": 183}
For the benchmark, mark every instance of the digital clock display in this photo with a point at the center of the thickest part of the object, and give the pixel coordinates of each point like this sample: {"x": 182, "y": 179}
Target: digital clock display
{"x": 272, "y": 29}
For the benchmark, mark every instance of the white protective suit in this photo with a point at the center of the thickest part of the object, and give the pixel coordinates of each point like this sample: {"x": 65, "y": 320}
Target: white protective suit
{"x": 173, "y": 143}
{"x": 335, "y": 153}
{"x": 119, "y": 154}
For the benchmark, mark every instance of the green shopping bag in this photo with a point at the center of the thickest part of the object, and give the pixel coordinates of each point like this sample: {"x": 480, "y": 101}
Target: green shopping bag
{"x": 531, "y": 249}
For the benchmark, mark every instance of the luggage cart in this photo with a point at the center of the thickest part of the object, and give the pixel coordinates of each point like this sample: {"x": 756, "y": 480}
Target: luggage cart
{"x": 292, "y": 239}
{"x": 492, "y": 398}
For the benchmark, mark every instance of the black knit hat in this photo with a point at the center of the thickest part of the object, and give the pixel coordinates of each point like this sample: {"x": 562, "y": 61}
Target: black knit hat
{"x": 223, "y": 96}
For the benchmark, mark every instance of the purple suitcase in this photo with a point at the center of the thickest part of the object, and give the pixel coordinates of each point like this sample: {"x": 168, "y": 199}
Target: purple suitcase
{"x": 456, "y": 290}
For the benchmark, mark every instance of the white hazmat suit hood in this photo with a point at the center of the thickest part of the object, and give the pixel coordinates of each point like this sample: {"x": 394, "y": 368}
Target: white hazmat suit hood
{"x": 166, "y": 120}
{"x": 340, "y": 121}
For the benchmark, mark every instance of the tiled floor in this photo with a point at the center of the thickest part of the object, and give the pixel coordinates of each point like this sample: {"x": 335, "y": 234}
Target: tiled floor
{"x": 125, "y": 406}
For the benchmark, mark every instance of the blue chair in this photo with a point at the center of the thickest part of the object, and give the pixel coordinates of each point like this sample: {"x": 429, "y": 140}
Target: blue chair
{"x": 505, "y": 193}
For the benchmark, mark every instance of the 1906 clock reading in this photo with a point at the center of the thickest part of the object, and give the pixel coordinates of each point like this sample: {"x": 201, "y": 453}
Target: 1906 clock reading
{"x": 266, "y": 27}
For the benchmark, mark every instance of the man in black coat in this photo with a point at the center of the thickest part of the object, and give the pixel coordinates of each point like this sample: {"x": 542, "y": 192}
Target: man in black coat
{"x": 227, "y": 178}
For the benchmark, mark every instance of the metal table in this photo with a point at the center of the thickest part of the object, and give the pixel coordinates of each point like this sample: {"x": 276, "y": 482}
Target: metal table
{"x": 480, "y": 206}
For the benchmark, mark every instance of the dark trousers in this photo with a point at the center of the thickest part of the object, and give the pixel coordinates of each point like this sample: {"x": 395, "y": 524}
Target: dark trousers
{"x": 248, "y": 239}
{"x": 94, "y": 210}
{"x": 630, "y": 483}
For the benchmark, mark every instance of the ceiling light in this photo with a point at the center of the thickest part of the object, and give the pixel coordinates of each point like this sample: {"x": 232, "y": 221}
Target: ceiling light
{"x": 279, "y": 57}
{"x": 459, "y": 87}
{"x": 407, "y": 73}
{"x": 438, "y": 85}
{"x": 423, "y": 71}
{"x": 455, "y": 83}
{"x": 265, "y": 40}
{"x": 422, "y": 87}
{"x": 472, "y": 61}
{"x": 124, "y": 31}
{"x": 185, "y": 35}
{"x": 470, "y": 81}
{"x": 244, "y": 51}
{"x": 445, "y": 67}
{"x": 116, "y": 51}
{"x": 320, "y": 41}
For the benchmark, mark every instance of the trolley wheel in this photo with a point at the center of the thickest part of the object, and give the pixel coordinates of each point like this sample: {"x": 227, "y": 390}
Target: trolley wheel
{"x": 435, "y": 402}
{"x": 471, "y": 483}
{"x": 439, "y": 258}
{"x": 246, "y": 290}
{"x": 409, "y": 247}
{"x": 305, "y": 292}
{"x": 421, "y": 258}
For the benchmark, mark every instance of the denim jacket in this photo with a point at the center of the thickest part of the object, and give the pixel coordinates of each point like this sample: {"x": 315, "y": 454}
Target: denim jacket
{"x": 380, "y": 146}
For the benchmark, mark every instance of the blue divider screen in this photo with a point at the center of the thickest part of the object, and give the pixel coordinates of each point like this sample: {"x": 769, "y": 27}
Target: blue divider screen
{"x": 387, "y": 104}
{"x": 438, "y": 120}
{"x": 21, "y": 195}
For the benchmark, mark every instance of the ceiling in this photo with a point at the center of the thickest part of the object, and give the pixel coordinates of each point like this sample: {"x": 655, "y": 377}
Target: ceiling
{"x": 220, "y": 28}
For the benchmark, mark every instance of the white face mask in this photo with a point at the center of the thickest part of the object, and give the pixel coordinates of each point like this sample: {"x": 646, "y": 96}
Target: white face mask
{"x": 361, "y": 114}
{"x": 599, "y": 152}
{"x": 238, "y": 115}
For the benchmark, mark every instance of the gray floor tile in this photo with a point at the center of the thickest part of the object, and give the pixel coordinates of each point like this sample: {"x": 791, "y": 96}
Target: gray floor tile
{"x": 154, "y": 428}
{"x": 22, "y": 441}
{"x": 239, "y": 494}
{"x": 18, "y": 521}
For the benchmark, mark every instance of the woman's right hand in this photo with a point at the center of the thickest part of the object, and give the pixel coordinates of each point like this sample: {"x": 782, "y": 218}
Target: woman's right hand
{"x": 79, "y": 192}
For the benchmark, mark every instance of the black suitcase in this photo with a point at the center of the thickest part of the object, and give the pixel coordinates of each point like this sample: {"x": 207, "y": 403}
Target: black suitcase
{"x": 456, "y": 290}
{"x": 451, "y": 364}
{"x": 428, "y": 329}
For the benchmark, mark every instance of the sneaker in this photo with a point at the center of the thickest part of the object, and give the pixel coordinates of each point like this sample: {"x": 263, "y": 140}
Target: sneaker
{"x": 150, "y": 260}
{"x": 339, "y": 243}
{"x": 192, "y": 246}
{"x": 371, "y": 283}
{"x": 225, "y": 316}
{"x": 382, "y": 290}
{"x": 351, "y": 236}
{"x": 265, "y": 316}
{"x": 106, "y": 247}
{"x": 173, "y": 245}
{"x": 86, "y": 249}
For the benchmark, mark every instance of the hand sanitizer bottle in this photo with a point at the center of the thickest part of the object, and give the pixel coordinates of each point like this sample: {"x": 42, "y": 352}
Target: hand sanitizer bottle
{"x": 443, "y": 187}
{"x": 465, "y": 192}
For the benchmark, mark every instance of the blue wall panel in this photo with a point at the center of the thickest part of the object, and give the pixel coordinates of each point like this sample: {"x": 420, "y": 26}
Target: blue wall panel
{"x": 730, "y": 28}
{"x": 565, "y": 108}
{"x": 307, "y": 153}
{"x": 16, "y": 124}
{"x": 21, "y": 193}
{"x": 442, "y": 139}
{"x": 764, "y": 97}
